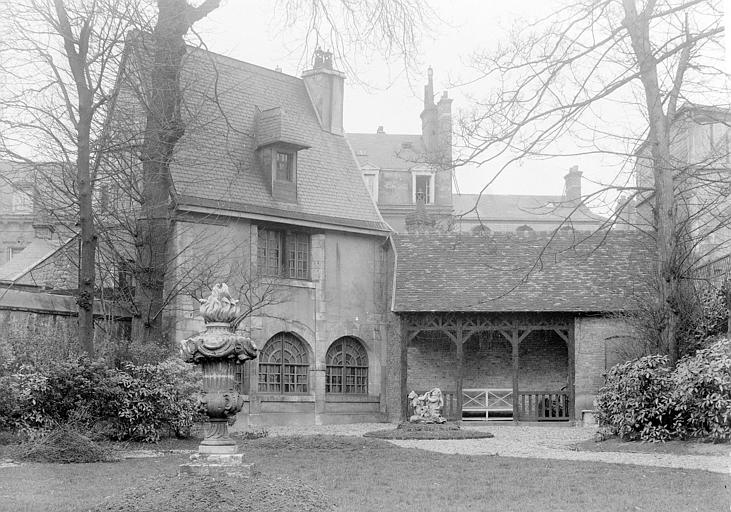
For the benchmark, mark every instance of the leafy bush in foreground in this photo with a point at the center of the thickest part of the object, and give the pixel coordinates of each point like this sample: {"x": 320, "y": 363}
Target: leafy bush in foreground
{"x": 645, "y": 399}
{"x": 156, "y": 400}
{"x": 635, "y": 401}
{"x": 702, "y": 394}
{"x": 141, "y": 403}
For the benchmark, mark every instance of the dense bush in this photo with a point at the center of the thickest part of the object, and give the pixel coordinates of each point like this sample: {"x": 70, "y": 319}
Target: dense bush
{"x": 702, "y": 393}
{"x": 645, "y": 399}
{"x": 140, "y": 403}
{"x": 635, "y": 401}
{"x": 156, "y": 400}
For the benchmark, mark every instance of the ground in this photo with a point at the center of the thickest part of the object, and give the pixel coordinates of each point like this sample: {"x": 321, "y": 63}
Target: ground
{"x": 325, "y": 472}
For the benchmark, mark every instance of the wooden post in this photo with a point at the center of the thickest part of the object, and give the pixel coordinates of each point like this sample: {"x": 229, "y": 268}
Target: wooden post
{"x": 515, "y": 342}
{"x": 572, "y": 372}
{"x": 459, "y": 340}
{"x": 406, "y": 336}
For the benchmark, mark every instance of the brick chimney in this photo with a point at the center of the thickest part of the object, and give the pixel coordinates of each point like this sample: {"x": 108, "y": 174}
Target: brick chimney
{"x": 325, "y": 86}
{"x": 430, "y": 116}
{"x": 572, "y": 188}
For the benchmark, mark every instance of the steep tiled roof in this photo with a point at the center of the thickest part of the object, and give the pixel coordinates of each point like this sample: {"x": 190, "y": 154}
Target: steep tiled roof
{"x": 387, "y": 150}
{"x": 501, "y": 273}
{"x": 520, "y": 208}
{"x": 215, "y": 161}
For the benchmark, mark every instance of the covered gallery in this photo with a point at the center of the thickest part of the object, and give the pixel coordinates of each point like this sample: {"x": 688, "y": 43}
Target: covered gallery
{"x": 515, "y": 326}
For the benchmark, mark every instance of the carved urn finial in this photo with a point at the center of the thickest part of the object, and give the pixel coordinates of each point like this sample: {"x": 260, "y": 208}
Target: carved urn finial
{"x": 219, "y": 306}
{"x": 218, "y": 350}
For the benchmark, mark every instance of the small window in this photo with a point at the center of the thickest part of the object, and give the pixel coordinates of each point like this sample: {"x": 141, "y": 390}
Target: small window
{"x": 23, "y": 201}
{"x": 285, "y": 166}
{"x": 347, "y": 367}
{"x": 284, "y": 253}
{"x": 424, "y": 188}
{"x": 371, "y": 181}
{"x": 283, "y": 365}
{"x": 11, "y": 252}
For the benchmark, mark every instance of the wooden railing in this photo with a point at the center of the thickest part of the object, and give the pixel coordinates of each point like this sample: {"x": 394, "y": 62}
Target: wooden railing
{"x": 543, "y": 405}
{"x": 496, "y": 404}
{"x": 487, "y": 404}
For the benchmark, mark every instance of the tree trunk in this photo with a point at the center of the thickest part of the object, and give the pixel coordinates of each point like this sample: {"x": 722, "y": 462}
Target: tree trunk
{"x": 75, "y": 49}
{"x": 163, "y": 130}
{"x": 638, "y": 27}
{"x": 87, "y": 256}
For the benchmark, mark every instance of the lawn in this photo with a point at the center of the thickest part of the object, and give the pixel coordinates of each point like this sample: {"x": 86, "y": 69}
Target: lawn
{"x": 360, "y": 474}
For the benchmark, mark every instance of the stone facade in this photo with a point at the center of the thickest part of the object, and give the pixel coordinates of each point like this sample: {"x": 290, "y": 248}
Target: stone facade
{"x": 345, "y": 296}
{"x": 16, "y": 210}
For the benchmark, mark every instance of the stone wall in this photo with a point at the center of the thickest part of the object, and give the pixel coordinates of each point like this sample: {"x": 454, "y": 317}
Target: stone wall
{"x": 597, "y": 339}
{"x": 346, "y": 295}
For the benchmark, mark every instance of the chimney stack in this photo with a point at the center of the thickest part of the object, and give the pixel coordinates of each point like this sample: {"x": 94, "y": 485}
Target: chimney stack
{"x": 572, "y": 188}
{"x": 429, "y": 116}
{"x": 325, "y": 86}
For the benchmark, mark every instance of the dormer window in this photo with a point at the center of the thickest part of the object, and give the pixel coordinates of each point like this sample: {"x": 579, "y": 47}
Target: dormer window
{"x": 286, "y": 166}
{"x": 277, "y": 152}
{"x": 423, "y": 186}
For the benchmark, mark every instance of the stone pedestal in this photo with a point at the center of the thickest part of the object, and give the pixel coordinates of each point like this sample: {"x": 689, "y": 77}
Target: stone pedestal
{"x": 217, "y": 465}
{"x": 218, "y": 350}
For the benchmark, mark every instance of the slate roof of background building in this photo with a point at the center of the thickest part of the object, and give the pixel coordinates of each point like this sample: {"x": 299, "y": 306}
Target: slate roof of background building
{"x": 35, "y": 253}
{"x": 387, "y": 150}
{"x": 577, "y": 272}
{"x": 521, "y": 208}
{"x": 215, "y": 161}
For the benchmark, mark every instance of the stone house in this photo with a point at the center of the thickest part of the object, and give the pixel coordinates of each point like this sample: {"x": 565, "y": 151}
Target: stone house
{"x": 399, "y": 169}
{"x": 268, "y": 197}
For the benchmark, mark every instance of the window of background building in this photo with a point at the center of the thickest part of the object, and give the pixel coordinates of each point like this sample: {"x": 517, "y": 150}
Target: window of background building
{"x": 283, "y": 365}
{"x": 22, "y": 201}
{"x": 347, "y": 367}
{"x": 285, "y": 166}
{"x": 284, "y": 253}
{"x": 11, "y": 252}
{"x": 424, "y": 187}
{"x": 371, "y": 181}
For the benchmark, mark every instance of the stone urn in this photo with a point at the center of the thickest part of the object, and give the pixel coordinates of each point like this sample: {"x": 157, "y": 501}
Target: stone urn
{"x": 219, "y": 349}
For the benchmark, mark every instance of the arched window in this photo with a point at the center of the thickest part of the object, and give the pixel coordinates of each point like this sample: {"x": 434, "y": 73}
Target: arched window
{"x": 283, "y": 365}
{"x": 347, "y": 367}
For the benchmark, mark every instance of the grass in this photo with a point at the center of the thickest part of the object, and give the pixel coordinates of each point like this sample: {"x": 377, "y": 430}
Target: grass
{"x": 693, "y": 447}
{"x": 361, "y": 474}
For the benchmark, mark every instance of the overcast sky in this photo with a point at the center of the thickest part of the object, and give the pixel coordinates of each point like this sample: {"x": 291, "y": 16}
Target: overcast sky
{"x": 253, "y": 31}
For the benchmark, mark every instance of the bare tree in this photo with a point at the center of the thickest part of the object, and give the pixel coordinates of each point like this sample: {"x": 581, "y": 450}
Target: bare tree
{"x": 61, "y": 57}
{"x": 566, "y": 77}
{"x": 96, "y": 40}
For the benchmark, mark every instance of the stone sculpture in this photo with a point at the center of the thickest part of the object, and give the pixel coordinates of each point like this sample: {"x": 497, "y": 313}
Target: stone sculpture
{"x": 427, "y": 407}
{"x": 218, "y": 350}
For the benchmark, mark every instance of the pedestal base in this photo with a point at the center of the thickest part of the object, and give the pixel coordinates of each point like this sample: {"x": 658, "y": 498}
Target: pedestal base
{"x": 217, "y": 464}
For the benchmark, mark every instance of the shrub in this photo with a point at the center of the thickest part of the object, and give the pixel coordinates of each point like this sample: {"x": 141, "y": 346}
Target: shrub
{"x": 157, "y": 400}
{"x": 702, "y": 393}
{"x": 136, "y": 402}
{"x": 635, "y": 402}
{"x": 65, "y": 445}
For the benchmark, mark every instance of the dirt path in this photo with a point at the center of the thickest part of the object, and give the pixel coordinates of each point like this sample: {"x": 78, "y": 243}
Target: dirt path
{"x": 530, "y": 442}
